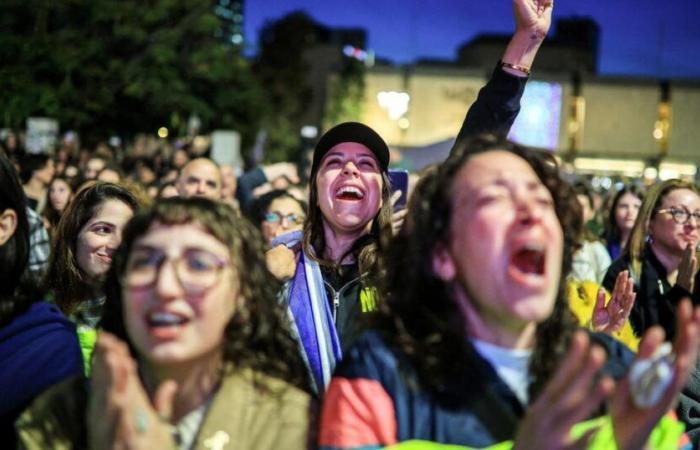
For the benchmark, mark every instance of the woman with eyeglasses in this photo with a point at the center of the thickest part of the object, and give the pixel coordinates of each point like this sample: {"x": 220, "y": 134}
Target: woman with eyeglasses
{"x": 661, "y": 255}
{"x": 196, "y": 351}
{"x": 276, "y": 213}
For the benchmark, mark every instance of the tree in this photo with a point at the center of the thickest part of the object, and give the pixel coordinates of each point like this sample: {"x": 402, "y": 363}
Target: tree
{"x": 283, "y": 73}
{"x": 123, "y": 66}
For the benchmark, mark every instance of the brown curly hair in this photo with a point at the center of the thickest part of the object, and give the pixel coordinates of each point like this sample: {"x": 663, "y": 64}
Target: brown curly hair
{"x": 258, "y": 336}
{"x": 418, "y": 315}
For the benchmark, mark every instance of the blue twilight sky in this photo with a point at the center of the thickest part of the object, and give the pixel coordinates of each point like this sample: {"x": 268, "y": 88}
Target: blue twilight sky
{"x": 648, "y": 38}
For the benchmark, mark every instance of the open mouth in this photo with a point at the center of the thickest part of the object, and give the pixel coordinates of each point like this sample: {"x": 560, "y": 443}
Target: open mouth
{"x": 159, "y": 320}
{"x": 528, "y": 260}
{"x": 351, "y": 193}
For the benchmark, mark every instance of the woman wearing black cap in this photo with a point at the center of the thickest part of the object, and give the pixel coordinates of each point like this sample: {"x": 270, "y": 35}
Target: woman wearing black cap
{"x": 330, "y": 281}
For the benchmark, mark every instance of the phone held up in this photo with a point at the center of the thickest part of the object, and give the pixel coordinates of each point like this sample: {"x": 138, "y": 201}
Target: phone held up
{"x": 399, "y": 182}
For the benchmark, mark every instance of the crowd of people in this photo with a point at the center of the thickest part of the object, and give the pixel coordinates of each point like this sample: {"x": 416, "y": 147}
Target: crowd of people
{"x": 151, "y": 298}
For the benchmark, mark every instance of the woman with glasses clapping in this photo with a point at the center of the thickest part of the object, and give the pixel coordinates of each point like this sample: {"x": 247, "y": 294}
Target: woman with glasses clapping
{"x": 195, "y": 350}
{"x": 661, "y": 255}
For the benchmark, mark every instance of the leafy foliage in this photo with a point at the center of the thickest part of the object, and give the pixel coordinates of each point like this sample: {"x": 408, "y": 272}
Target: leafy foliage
{"x": 123, "y": 66}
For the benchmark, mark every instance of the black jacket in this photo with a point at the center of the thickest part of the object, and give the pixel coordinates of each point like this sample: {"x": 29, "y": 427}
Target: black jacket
{"x": 656, "y": 299}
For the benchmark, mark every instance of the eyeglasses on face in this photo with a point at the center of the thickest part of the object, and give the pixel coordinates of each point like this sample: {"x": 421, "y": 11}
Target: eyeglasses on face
{"x": 681, "y": 215}
{"x": 196, "y": 269}
{"x": 277, "y": 217}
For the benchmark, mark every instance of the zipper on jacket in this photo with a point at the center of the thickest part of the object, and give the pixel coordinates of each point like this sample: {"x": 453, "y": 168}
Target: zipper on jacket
{"x": 337, "y": 294}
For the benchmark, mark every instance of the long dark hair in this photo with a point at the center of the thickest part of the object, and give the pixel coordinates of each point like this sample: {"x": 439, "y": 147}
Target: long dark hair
{"x": 418, "y": 315}
{"x": 258, "y": 336}
{"x": 612, "y": 230}
{"x": 365, "y": 249}
{"x": 68, "y": 282}
{"x": 51, "y": 214}
{"x": 14, "y": 254}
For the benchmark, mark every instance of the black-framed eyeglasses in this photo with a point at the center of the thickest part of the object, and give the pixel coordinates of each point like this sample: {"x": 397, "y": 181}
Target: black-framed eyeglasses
{"x": 277, "y": 217}
{"x": 196, "y": 270}
{"x": 681, "y": 215}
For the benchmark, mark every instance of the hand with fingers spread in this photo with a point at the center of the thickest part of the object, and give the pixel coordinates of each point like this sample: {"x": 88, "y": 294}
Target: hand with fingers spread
{"x": 397, "y": 217}
{"x": 571, "y": 396}
{"x": 120, "y": 414}
{"x": 632, "y": 425}
{"x": 611, "y": 317}
{"x": 687, "y": 269}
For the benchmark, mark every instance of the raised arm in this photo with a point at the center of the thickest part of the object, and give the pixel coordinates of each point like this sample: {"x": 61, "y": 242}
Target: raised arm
{"x": 498, "y": 102}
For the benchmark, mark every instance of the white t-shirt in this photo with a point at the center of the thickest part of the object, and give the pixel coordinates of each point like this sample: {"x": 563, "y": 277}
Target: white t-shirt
{"x": 511, "y": 365}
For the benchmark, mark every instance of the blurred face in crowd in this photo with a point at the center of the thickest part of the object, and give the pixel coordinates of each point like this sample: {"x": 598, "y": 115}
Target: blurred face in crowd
{"x": 180, "y": 158}
{"x": 179, "y": 294}
{"x": 349, "y": 187}
{"x": 60, "y": 194}
{"x": 200, "y": 178}
{"x": 506, "y": 244}
{"x": 284, "y": 215}
{"x": 586, "y": 208}
{"x": 109, "y": 175}
{"x": 626, "y": 212}
{"x": 671, "y": 238}
{"x": 100, "y": 237}
{"x": 93, "y": 167}
{"x": 228, "y": 182}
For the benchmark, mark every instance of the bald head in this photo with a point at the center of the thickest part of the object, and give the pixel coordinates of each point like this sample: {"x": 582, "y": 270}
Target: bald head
{"x": 200, "y": 178}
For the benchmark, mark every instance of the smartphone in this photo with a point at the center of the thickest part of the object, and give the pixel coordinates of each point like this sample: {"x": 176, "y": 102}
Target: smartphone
{"x": 399, "y": 182}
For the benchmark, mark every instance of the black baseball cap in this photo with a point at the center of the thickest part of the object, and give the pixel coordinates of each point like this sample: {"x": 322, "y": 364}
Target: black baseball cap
{"x": 352, "y": 132}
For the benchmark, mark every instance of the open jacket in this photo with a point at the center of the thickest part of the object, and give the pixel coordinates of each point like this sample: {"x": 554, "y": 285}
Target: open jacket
{"x": 241, "y": 416}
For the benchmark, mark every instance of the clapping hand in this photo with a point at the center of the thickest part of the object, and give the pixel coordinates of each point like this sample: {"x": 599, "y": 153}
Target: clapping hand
{"x": 687, "y": 269}
{"x": 611, "y": 318}
{"x": 633, "y": 425}
{"x": 120, "y": 414}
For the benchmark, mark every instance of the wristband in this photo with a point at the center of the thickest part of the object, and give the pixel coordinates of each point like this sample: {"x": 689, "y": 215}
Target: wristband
{"x": 523, "y": 69}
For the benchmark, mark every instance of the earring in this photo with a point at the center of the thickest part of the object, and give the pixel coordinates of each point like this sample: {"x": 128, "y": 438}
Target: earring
{"x": 650, "y": 238}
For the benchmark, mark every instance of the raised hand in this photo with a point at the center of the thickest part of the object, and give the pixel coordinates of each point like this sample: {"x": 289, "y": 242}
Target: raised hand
{"x": 687, "y": 269}
{"x": 633, "y": 425}
{"x": 611, "y": 318}
{"x": 120, "y": 415}
{"x": 571, "y": 396}
{"x": 533, "y": 17}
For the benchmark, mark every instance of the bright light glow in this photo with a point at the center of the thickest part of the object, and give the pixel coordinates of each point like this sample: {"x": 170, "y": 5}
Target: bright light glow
{"x": 309, "y": 131}
{"x": 670, "y": 170}
{"x": 537, "y": 124}
{"x": 631, "y": 168}
{"x": 650, "y": 173}
{"x": 394, "y": 103}
{"x": 162, "y": 132}
{"x": 403, "y": 123}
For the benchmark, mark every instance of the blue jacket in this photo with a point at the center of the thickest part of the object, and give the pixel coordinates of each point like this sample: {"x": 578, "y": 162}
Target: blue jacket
{"x": 38, "y": 348}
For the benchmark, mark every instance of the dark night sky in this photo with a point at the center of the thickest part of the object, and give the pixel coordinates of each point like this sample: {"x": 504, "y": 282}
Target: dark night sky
{"x": 649, "y": 38}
